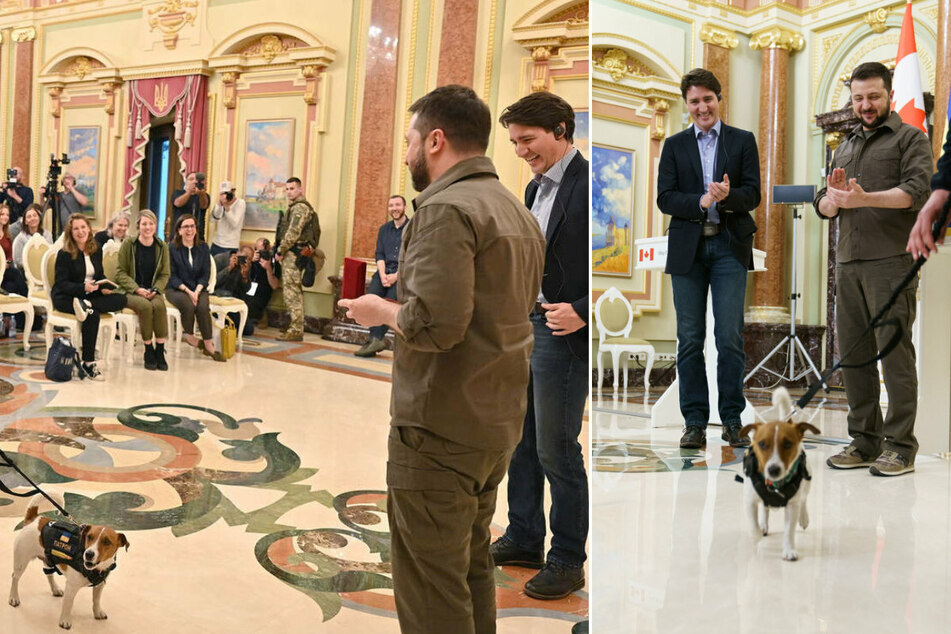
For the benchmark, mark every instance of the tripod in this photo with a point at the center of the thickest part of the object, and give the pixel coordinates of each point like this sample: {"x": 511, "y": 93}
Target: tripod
{"x": 796, "y": 348}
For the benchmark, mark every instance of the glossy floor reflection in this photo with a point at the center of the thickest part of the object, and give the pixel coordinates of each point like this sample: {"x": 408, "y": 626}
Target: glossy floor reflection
{"x": 251, "y": 492}
{"x": 671, "y": 550}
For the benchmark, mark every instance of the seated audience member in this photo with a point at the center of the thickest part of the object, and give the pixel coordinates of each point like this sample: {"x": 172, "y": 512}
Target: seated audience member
{"x": 13, "y": 278}
{"x": 32, "y": 223}
{"x": 188, "y": 284}
{"x": 142, "y": 274}
{"x": 251, "y": 279}
{"x": 17, "y": 196}
{"x": 78, "y": 266}
{"x": 228, "y": 212}
{"x": 116, "y": 229}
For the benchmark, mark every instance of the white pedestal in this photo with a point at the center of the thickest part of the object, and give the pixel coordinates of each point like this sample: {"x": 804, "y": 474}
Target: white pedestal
{"x": 933, "y": 424}
{"x": 652, "y": 256}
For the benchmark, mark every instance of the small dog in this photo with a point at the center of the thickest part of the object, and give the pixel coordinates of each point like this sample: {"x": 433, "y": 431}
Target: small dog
{"x": 85, "y": 554}
{"x": 777, "y": 474}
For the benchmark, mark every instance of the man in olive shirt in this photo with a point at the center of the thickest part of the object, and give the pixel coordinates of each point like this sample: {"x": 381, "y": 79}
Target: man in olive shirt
{"x": 878, "y": 183}
{"x": 470, "y": 269}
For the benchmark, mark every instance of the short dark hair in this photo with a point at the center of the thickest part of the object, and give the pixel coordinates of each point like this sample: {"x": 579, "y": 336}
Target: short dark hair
{"x": 396, "y": 196}
{"x": 542, "y": 109}
{"x": 459, "y": 113}
{"x": 868, "y": 70}
{"x": 699, "y": 77}
{"x": 294, "y": 179}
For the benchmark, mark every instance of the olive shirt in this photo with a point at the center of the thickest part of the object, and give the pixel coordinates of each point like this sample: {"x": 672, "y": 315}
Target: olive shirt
{"x": 894, "y": 154}
{"x": 470, "y": 267}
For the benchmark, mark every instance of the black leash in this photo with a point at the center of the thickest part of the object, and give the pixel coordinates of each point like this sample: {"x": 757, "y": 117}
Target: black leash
{"x": 877, "y": 321}
{"x": 36, "y": 488}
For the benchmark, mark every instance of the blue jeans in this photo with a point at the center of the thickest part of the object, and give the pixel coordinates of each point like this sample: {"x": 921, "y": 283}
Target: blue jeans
{"x": 376, "y": 288}
{"x": 549, "y": 448}
{"x": 714, "y": 268}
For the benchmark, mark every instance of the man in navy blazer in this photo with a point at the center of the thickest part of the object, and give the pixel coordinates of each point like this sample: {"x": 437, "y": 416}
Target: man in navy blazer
{"x": 708, "y": 182}
{"x": 541, "y": 128}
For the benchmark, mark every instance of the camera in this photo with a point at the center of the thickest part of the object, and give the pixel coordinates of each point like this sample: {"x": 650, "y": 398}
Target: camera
{"x": 265, "y": 252}
{"x": 12, "y": 179}
{"x": 200, "y": 181}
{"x": 229, "y": 196}
{"x": 242, "y": 260}
{"x": 56, "y": 167}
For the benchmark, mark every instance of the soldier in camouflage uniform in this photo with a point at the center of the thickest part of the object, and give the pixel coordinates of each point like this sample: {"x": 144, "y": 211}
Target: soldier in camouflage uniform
{"x": 298, "y": 233}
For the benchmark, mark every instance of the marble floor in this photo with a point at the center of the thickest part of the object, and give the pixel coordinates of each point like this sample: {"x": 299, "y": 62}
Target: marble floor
{"x": 251, "y": 492}
{"x": 671, "y": 550}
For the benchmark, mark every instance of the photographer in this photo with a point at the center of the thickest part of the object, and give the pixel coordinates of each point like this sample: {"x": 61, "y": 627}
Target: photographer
{"x": 193, "y": 199}
{"x": 250, "y": 277}
{"x": 229, "y": 216}
{"x": 17, "y": 196}
{"x": 71, "y": 200}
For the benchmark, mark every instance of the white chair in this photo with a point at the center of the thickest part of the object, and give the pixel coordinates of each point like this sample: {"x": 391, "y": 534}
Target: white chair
{"x": 221, "y": 306}
{"x": 107, "y": 323}
{"x": 14, "y": 303}
{"x": 614, "y": 317}
{"x": 126, "y": 319}
{"x": 36, "y": 247}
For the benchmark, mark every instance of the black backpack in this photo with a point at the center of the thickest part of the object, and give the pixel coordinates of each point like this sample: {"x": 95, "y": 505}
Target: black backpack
{"x": 62, "y": 361}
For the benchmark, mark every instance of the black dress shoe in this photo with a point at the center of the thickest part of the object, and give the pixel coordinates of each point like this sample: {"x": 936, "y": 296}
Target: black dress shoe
{"x": 505, "y": 553}
{"x": 555, "y": 581}
{"x": 695, "y": 437}
{"x": 731, "y": 434}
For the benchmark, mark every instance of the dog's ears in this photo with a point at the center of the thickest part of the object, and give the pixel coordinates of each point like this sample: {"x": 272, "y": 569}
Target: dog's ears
{"x": 748, "y": 428}
{"x": 803, "y": 427}
{"x": 123, "y": 541}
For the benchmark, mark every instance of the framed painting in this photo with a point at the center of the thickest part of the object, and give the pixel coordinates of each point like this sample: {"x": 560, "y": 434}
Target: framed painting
{"x": 612, "y": 203}
{"x": 268, "y": 160}
{"x": 83, "y": 151}
{"x": 582, "y": 138}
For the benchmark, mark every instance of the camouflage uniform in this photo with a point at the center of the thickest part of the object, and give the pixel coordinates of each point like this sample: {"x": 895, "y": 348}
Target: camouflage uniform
{"x": 294, "y": 232}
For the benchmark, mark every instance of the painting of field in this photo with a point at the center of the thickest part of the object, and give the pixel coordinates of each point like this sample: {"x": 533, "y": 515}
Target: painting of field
{"x": 268, "y": 159}
{"x": 612, "y": 202}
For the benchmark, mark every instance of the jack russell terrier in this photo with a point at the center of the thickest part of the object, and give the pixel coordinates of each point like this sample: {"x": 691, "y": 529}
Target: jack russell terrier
{"x": 777, "y": 474}
{"x": 84, "y": 554}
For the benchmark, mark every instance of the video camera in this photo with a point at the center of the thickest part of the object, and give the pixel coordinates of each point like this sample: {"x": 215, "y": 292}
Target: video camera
{"x": 56, "y": 168}
{"x": 12, "y": 179}
{"x": 200, "y": 181}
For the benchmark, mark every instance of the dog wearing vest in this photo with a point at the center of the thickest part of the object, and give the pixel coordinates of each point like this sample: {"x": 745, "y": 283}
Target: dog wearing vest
{"x": 84, "y": 554}
{"x": 777, "y": 474}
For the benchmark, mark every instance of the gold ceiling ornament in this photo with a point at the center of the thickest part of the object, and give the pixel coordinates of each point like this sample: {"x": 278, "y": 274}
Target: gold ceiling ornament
{"x": 718, "y": 36}
{"x": 271, "y": 46}
{"x": 876, "y": 19}
{"x": 618, "y": 64}
{"x": 26, "y": 34}
{"x": 777, "y": 37}
{"x": 171, "y": 17}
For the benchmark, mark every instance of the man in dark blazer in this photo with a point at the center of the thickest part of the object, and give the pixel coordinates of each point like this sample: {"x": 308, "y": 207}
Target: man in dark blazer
{"x": 541, "y": 128}
{"x": 708, "y": 182}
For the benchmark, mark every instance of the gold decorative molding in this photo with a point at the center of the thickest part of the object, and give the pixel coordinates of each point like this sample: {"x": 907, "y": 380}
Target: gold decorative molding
{"x": 659, "y": 119}
{"x": 171, "y": 17}
{"x": 270, "y": 46}
{"x": 578, "y": 14}
{"x": 619, "y": 64}
{"x": 311, "y": 73}
{"x": 229, "y": 97}
{"x": 109, "y": 89}
{"x": 25, "y": 34}
{"x": 80, "y": 67}
{"x": 541, "y": 55}
{"x": 56, "y": 92}
{"x": 777, "y": 37}
{"x": 833, "y": 139}
{"x": 876, "y": 19}
{"x": 718, "y": 36}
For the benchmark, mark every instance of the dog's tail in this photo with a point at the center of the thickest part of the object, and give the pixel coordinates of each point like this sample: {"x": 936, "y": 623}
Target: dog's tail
{"x": 33, "y": 509}
{"x": 782, "y": 403}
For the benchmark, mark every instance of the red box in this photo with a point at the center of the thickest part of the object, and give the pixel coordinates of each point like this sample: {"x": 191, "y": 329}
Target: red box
{"x": 354, "y": 278}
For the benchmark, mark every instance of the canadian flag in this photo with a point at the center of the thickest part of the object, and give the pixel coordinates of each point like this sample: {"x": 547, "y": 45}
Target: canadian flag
{"x": 909, "y": 99}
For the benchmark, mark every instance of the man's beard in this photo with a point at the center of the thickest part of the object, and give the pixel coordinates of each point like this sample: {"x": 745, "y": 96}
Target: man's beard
{"x": 418, "y": 171}
{"x": 880, "y": 118}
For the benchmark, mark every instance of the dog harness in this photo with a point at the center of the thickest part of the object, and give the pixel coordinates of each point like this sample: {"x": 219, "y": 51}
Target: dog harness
{"x": 780, "y": 492}
{"x": 63, "y": 544}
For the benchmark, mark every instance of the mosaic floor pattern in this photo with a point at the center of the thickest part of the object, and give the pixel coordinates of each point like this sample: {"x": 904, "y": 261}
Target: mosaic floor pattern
{"x": 671, "y": 550}
{"x": 252, "y": 492}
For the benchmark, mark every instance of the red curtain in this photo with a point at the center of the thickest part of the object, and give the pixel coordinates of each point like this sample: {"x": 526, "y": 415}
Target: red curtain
{"x": 156, "y": 98}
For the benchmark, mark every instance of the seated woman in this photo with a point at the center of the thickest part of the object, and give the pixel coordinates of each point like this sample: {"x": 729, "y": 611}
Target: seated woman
{"x": 187, "y": 287}
{"x": 116, "y": 229}
{"x": 142, "y": 273}
{"x": 78, "y": 266}
{"x": 13, "y": 279}
{"x": 32, "y": 223}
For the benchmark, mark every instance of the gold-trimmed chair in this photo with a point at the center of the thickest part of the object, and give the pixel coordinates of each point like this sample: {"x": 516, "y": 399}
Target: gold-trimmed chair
{"x": 13, "y": 303}
{"x": 221, "y": 306}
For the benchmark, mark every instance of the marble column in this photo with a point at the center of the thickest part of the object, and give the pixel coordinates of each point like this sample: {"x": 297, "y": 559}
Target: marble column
{"x": 770, "y": 301}
{"x": 22, "y": 99}
{"x": 377, "y": 150}
{"x": 458, "y": 42}
{"x": 942, "y": 81}
{"x": 717, "y": 44}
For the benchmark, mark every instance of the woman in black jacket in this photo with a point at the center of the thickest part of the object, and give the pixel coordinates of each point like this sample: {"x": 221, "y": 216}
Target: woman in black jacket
{"x": 187, "y": 289}
{"x": 78, "y": 268}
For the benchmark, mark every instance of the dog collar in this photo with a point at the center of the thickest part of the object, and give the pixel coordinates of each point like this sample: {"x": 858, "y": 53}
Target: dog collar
{"x": 776, "y": 493}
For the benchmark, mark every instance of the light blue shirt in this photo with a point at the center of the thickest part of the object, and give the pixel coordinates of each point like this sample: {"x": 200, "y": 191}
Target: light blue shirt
{"x": 548, "y": 184}
{"x": 707, "y": 142}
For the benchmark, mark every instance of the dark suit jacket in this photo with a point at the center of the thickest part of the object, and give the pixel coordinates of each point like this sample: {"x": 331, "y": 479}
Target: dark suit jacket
{"x": 71, "y": 275}
{"x": 191, "y": 275}
{"x": 680, "y": 186}
{"x": 567, "y": 250}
